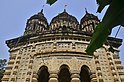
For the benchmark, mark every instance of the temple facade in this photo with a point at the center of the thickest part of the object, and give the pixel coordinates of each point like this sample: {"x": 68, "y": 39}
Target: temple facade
{"x": 55, "y": 52}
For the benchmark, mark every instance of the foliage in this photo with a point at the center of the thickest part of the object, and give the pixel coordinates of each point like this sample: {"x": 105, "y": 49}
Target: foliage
{"x": 2, "y": 67}
{"x": 51, "y": 1}
{"x": 114, "y": 16}
{"x": 102, "y": 4}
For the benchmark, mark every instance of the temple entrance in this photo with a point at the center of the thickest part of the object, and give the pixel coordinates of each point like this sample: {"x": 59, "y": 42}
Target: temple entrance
{"x": 64, "y": 74}
{"x": 85, "y": 74}
{"x": 43, "y": 74}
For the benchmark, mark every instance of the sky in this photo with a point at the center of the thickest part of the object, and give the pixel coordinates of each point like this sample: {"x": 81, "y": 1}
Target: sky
{"x": 14, "y": 15}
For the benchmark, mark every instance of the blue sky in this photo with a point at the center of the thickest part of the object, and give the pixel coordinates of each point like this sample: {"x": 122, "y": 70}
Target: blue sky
{"x": 14, "y": 15}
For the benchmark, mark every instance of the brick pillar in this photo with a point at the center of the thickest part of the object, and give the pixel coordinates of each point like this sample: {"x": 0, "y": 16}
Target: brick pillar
{"x": 34, "y": 79}
{"x": 93, "y": 77}
{"x": 75, "y": 77}
{"x": 53, "y": 77}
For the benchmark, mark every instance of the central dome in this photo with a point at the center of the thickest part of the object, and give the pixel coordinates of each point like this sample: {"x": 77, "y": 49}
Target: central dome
{"x": 64, "y": 20}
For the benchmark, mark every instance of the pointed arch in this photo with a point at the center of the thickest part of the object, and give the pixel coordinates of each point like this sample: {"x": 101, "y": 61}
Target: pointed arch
{"x": 43, "y": 74}
{"x": 64, "y": 74}
{"x": 85, "y": 74}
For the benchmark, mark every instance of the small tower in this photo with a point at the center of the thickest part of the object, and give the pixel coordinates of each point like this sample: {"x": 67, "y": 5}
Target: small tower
{"x": 89, "y": 22}
{"x": 36, "y": 24}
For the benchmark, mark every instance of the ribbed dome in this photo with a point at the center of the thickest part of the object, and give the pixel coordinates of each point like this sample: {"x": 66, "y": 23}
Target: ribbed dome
{"x": 39, "y": 16}
{"x": 89, "y": 22}
{"x": 36, "y": 24}
{"x": 64, "y": 20}
{"x": 89, "y": 16}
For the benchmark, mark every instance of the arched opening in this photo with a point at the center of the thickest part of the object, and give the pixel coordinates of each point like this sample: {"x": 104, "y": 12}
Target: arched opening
{"x": 64, "y": 28}
{"x": 85, "y": 74}
{"x": 43, "y": 74}
{"x": 64, "y": 74}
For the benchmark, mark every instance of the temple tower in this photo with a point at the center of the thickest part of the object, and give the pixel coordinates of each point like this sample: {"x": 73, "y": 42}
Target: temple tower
{"x": 55, "y": 52}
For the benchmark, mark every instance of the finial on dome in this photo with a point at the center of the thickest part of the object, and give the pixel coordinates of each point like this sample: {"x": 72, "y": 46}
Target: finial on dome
{"x": 42, "y": 9}
{"x": 65, "y": 8}
{"x": 86, "y": 10}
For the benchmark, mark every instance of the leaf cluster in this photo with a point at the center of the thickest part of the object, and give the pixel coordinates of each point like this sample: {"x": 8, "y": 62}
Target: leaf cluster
{"x": 113, "y": 17}
{"x": 2, "y": 67}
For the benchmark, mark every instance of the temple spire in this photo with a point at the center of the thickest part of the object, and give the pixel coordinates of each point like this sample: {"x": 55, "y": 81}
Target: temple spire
{"x": 65, "y": 8}
{"x": 86, "y": 10}
{"x": 42, "y": 9}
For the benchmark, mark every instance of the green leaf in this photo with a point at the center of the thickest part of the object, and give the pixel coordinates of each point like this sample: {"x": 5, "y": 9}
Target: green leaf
{"x": 102, "y": 4}
{"x": 2, "y": 66}
{"x": 99, "y": 36}
{"x": 51, "y": 1}
{"x": 114, "y": 16}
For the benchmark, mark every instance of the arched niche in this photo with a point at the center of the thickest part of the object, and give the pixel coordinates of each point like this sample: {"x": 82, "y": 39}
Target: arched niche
{"x": 85, "y": 74}
{"x": 43, "y": 74}
{"x": 64, "y": 74}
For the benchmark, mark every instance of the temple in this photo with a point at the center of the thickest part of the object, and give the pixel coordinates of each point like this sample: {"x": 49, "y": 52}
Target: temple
{"x": 55, "y": 52}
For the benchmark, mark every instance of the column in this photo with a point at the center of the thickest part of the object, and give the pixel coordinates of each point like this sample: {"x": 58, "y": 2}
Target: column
{"x": 75, "y": 78}
{"x": 93, "y": 77}
{"x": 34, "y": 79}
{"x": 53, "y": 77}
